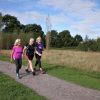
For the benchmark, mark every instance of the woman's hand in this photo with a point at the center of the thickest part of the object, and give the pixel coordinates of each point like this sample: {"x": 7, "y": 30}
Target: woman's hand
{"x": 38, "y": 53}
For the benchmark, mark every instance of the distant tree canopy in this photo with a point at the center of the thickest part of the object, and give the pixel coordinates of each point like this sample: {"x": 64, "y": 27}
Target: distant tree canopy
{"x": 64, "y": 39}
{"x": 77, "y": 39}
{"x": 11, "y": 24}
{"x": 32, "y": 28}
{"x": 90, "y": 45}
{"x": 11, "y": 28}
{"x": 1, "y": 23}
{"x": 53, "y": 38}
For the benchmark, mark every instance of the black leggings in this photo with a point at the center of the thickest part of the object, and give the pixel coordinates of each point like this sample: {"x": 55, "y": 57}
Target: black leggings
{"x": 18, "y": 63}
{"x": 38, "y": 60}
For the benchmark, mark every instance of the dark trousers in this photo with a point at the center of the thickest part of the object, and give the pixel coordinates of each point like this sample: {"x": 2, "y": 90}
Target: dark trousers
{"x": 18, "y": 63}
{"x": 38, "y": 60}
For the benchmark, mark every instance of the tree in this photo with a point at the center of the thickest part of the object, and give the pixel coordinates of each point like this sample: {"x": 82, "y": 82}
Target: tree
{"x": 53, "y": 38}
{"x": 98, "y": 44}
{"x": 33, "y": 28}
{"x": 1, "y": 23}
{"x": 11, "y": 24}
{"x": 65, "y": 38}
{"x": 22, "y": 28}
{"x": 77, "y": 40}
{"x": 58, "y": 42}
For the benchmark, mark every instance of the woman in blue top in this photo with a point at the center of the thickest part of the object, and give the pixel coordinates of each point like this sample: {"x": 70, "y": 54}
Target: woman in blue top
{"x": 38, "y": 52}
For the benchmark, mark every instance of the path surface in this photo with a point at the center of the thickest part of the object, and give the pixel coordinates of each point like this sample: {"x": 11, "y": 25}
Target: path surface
{"x": 50, "y": 87}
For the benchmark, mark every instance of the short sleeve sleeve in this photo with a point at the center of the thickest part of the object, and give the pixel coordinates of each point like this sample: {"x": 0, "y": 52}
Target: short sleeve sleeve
{"x": 13, "y": 48}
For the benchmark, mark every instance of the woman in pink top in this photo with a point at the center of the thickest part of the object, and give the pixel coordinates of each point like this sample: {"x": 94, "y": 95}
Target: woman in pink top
{"x": 16, "y": 54}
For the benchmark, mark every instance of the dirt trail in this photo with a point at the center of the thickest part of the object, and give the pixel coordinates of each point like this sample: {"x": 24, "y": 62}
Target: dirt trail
{"x": 50, "y": 87}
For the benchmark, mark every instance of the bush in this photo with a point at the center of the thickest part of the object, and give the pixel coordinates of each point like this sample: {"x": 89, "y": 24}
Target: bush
{"x": 98, "y": 44}
{"x": 90, "y": 45}
{"x": 7, "y": 40}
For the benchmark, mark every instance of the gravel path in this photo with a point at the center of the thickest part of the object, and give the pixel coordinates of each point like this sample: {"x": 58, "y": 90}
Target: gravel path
{"x": 50, "y": 87}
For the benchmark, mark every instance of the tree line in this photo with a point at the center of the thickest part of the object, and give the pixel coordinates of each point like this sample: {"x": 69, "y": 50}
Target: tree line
{"x": 10, "y": 26}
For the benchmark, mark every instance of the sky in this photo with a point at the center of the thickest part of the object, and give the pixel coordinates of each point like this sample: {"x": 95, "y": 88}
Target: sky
{"x": 78, "y": 16}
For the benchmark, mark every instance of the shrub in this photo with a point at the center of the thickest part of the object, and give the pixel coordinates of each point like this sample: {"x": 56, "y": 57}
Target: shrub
{"x": 90, "y": 45}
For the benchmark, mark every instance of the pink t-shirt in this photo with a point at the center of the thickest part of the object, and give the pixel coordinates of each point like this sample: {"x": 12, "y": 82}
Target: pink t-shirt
{"x": 18, "y": 50}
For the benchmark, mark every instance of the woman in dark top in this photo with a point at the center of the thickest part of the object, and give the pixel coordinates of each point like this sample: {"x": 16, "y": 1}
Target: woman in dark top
{"x": 38, "y": 53}
{"x": 30, "y": 48}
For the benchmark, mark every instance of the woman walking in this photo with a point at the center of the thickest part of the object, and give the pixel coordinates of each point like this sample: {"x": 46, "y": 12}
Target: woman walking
{"x": 16, "y": 55}
{"x": 38, "y": 53}
{"x": 30, "y": 48}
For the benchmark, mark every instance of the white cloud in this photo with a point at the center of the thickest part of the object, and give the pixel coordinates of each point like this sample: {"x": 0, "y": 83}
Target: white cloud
{"x": 27, "y": 17}
{"x": 15, "y": 0}
{"x": 81, "y": 16}
{"x": 77, "y": 6}
{"x": 85, "y": 10}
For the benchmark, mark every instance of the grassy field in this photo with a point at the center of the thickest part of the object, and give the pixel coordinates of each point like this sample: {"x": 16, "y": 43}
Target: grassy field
{"x": 89, "y": 61}
{"x": 82, "y": 60}
{"x": 90, "y": 79}
{"x": 11, "y": 90}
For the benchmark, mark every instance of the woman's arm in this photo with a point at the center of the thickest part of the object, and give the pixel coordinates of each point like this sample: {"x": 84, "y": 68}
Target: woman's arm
{"x": 24, "y": 50}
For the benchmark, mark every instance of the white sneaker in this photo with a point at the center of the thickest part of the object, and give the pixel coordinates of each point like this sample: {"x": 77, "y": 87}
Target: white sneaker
{"x": 17, "y": 75}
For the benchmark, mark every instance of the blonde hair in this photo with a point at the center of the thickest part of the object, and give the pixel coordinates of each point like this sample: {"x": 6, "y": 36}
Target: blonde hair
{"x": 17, "y": 41}
{"x": 31, "y": 39}
{"x": 38, "y": 38}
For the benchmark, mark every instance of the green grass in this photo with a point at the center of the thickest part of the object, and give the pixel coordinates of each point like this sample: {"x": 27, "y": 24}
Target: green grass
{"x": 11, "y": 90}
{"x": 80, "y": 77}
{"x": 73, "y": 75}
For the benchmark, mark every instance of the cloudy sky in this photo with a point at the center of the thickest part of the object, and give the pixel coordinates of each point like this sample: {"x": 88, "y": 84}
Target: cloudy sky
{"x": 79, "y": 16}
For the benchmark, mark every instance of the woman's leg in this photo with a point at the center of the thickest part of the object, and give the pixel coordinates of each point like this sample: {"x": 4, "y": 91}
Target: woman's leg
{"x": 38, "y": 60}
{"x": 17, "y": 67}
{"x": 20, "y": 63}
{"x": 27, "y": 68}
{"x": 36, "y": 63}
{"x": 31, "y": 66}
{"x": 16, "y": 63}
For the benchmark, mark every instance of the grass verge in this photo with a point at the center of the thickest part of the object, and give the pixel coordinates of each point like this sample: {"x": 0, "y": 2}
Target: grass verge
{"x": 12, "y": 90}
